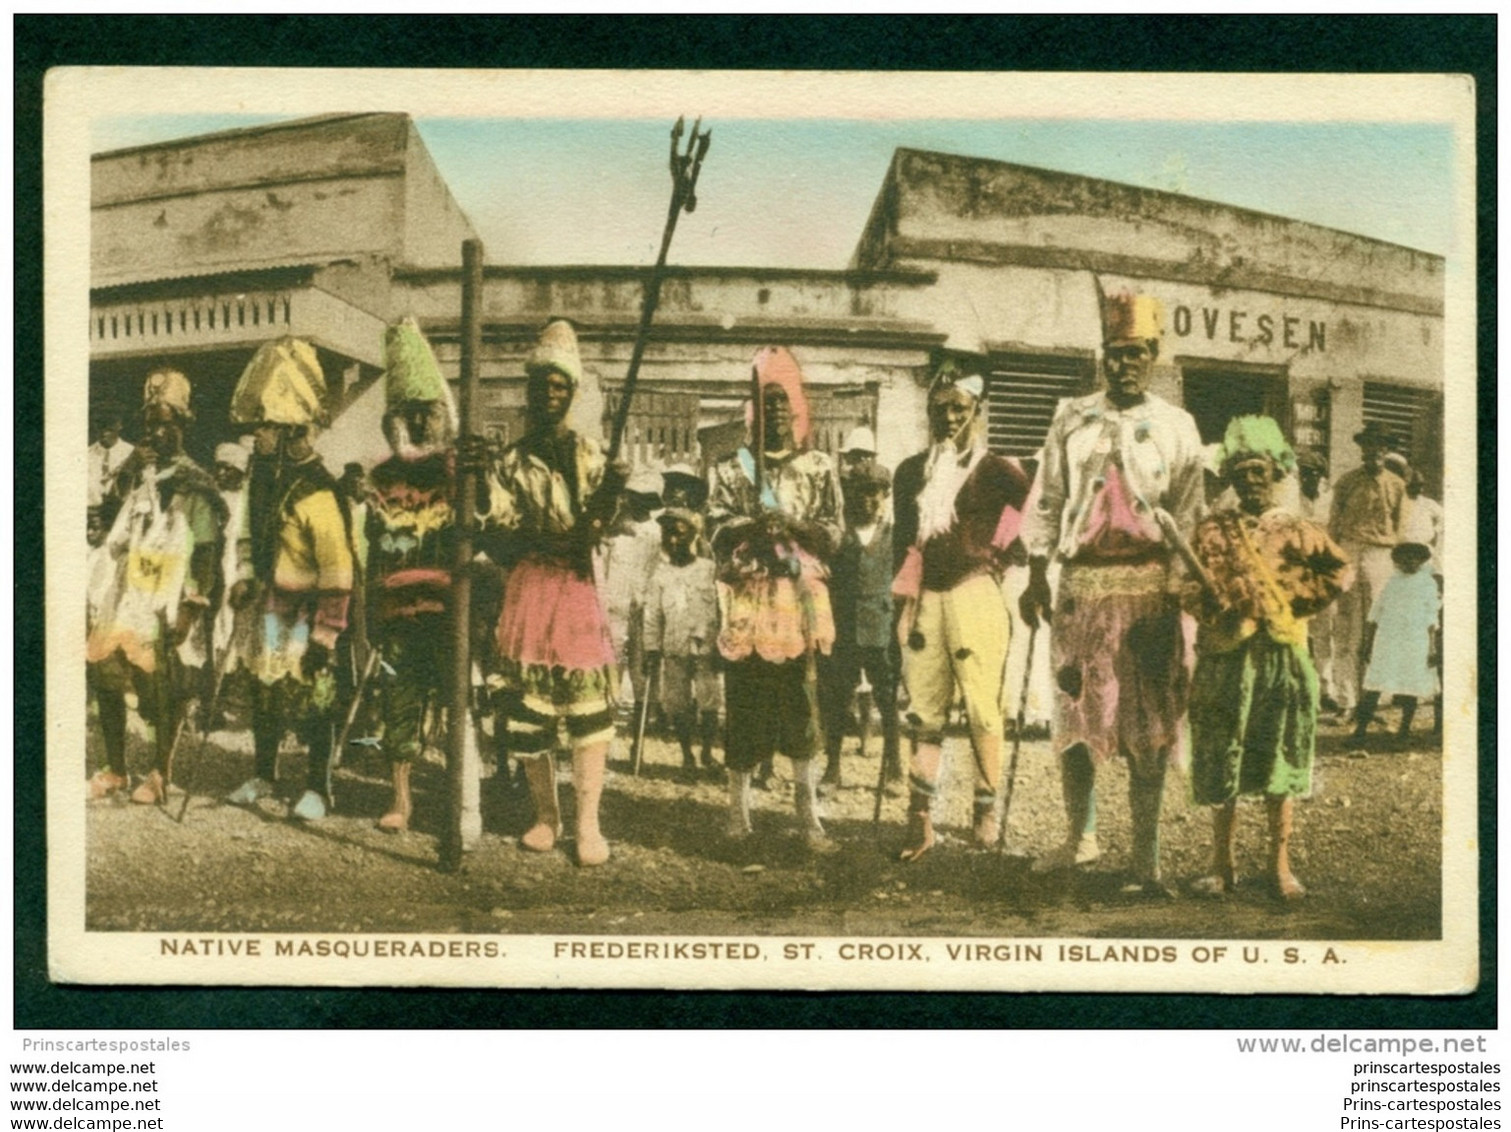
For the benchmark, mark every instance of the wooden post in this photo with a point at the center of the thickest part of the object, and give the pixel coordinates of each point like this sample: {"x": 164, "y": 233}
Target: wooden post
{"x": 464, "y": 825}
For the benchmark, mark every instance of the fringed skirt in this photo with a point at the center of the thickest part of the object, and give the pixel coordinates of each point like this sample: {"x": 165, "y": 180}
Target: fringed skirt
{"x": 555, "y": 657}
{"x": 1120, "y": 652}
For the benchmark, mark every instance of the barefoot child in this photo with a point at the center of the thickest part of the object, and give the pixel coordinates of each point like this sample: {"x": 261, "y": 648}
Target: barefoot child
{"x": 681, "y": 626}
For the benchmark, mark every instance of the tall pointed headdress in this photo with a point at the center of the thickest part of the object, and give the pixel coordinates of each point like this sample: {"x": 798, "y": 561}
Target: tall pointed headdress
{"x": 282, "y": 384}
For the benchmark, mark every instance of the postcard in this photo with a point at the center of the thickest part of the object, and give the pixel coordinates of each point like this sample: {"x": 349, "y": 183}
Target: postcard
{"x": 761, "y": 530}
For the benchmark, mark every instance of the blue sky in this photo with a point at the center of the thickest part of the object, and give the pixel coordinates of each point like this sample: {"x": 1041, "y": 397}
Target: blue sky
{"x": 796, "y": 193}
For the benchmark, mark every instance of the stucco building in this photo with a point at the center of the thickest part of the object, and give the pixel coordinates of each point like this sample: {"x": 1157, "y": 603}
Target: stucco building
{"x": 327, "y": 228}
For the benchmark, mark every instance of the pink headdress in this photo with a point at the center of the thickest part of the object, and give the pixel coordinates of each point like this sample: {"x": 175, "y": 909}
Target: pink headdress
{"x": 775, "y": 365}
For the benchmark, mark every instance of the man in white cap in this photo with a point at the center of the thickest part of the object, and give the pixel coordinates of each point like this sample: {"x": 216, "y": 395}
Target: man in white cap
{"x": 150, "y": 631}
{"x": 1118, "y": 650}
{"x": 295, "y": 568}
{"x": 858, "y": 450}
{"x": 959, "y": 507}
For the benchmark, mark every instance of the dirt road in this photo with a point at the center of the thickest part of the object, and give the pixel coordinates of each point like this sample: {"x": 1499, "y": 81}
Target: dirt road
{"x": 1368, "y": 848}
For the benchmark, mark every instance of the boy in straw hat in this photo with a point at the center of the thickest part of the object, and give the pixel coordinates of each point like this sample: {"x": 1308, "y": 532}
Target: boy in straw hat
{"x": 411, "y": 546}
{"x": 1118, "y": 648}
{"x": 1254, "y": 695}
{"x": 296, "y": 568}
{"x": 150, "y": 630}
{"x": 959, "y": 508}
{"x": 549, "y": 498}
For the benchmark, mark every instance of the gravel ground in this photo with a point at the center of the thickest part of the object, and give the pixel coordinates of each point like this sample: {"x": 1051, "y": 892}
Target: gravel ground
{"x": 1368, "y": 846}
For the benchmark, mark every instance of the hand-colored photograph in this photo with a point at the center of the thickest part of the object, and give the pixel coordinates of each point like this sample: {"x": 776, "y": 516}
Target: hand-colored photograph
{"x": 656, "y": 534}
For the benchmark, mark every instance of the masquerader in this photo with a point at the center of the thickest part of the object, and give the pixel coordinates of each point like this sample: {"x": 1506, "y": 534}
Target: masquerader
{"x": 1118, "y": 647}
{"x": 411, "y": 540}
{"x": 150, "y": 629}
{"x": 959, "y": 508}
{"x": 549, "y": 498}
{"x": 297, "y": 568}
{"x": 1254, "y": 696}
{"x": 772, "y": 541}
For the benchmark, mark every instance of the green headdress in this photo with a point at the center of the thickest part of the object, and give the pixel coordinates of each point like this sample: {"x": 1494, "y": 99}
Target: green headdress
{"x": 411, "y": 372}
{"x": 1248, "y": 437}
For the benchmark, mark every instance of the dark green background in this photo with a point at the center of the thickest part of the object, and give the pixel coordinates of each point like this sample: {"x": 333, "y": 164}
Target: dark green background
{"x": 1462, "y": 44}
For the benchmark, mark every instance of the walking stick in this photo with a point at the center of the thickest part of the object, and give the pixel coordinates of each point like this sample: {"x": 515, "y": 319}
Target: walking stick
{"x": 204, "y": 738}
{"x": 881, "y": 774}
{"x": 374, "y": 658}
{"x": 1012, "y": 763}
{"x": 645, "y": 712}
{"x": 685, "y": 166}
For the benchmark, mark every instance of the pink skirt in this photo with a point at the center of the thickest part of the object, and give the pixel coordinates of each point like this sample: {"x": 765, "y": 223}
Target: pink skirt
{"x": 553, "y": 640}
{"x": 552, "y": 617}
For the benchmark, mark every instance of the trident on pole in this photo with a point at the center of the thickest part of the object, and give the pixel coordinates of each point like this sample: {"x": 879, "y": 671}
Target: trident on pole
{"x": 686, "y": 162}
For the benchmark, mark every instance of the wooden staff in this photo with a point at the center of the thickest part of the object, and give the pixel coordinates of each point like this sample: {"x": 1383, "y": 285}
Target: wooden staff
{"x": 1022, "y": 722}
{"x": 685, "y": 165}
{"x": 455, "y": 838}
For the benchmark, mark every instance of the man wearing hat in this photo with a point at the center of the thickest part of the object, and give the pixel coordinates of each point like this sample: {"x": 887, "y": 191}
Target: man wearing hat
{"x": 959, "y": 508}
{"x": 1368, "y": 509}
{"x": 1117, "y": 651}
{"x": 549, "y": 499}
{"x": 150, "y": 630}
{"x": 411, "y": 539}
{"x": 860, "y": 588}
{"x": 1254, "y": 694}
{"x": 296, "y": 568}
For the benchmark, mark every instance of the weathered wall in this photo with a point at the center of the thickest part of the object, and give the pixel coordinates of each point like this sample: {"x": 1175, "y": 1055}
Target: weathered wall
{"x": 434, "y": 224}
{"x": 357, "y": 188}
{"x": 941, "y": 207}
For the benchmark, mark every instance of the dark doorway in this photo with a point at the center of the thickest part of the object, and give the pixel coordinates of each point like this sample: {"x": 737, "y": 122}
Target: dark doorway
{"x": 1214, "y": 396}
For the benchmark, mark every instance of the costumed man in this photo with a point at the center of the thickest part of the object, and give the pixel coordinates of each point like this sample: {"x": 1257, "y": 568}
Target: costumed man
{"x": 1369, "y": 508}
{"x": 150, "y": 629}
{"x": 860, "y": 587}
{"x": 1118, "y": 648}
{"x": 411, "y": 540}
{"x": 546, "y": 502}
{"x": 297, "y": 569}
{"x": 1314, "y": 503}
{"x": 776, "y": 517}
{"x": 959, "y": 509}
{"x": 1254, "y": 696}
